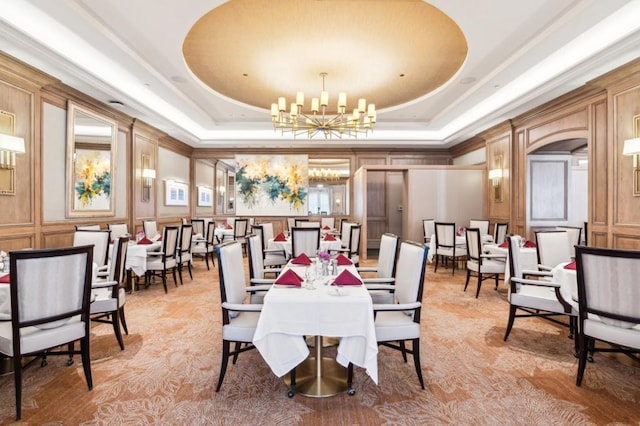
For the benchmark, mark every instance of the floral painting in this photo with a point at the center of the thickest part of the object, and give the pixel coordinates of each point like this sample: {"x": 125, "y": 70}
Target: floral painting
{"x": 272, "y": 185}
{"x": 92, "y": 180}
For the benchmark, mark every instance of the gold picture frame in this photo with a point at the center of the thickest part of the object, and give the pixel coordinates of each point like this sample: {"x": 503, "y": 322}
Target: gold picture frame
{"x": 7, "y": 176}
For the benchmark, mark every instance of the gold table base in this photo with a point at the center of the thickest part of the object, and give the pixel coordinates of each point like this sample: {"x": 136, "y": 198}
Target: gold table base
{"x": 319, "y": 379}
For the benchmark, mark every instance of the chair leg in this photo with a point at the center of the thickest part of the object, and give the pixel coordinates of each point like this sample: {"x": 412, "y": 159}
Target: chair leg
{"x": 236, "y": 351}
{"x": 292, "y": 388}
{"x": 115, "y": 321}
{"x": 164, "y": 280}
{"x": 180, "y": 272}
{"x": 436, "y": 267}
{"x": 453, "y": 265}
{"x": 223, "y": 365}
{"x": 416, "y": 360}
{"x": 497, "y": 278}
{"x": 206, "y": 260}
{"x": 512, "y": 317}
{"x": 403, "y": 349}
{"x": 479, "y": 284}
{"x": 17, "y": 377}
{"x": 468, "y": 277}
{"x": 123, "y": 321}
{"x": 350, "y": 390}
{"x": 582, "y": 362}
{"x": 86, "y": 361}
{"x": 189, "y": 268}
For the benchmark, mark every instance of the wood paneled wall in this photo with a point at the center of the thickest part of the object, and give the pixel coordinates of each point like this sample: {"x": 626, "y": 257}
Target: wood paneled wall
{"x": 602, "y": 112}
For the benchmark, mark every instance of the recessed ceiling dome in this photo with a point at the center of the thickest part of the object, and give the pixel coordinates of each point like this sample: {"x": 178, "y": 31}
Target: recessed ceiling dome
{"x": 389, "y": 52}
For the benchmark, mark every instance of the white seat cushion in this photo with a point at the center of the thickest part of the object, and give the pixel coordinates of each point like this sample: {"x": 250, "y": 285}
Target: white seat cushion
{"x": 242, "y": 327}
{"x": 536, "y": 297}
{"x": 595, "y": 327}
{"x": 395, "y": 325}
{"x": 36, "y": 339}
{"x": 488, "y": 266}
{"x": 157, "y": 265}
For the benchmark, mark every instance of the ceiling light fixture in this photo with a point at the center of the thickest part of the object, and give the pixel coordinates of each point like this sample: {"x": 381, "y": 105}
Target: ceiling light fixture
{"x": 298, "y": 122}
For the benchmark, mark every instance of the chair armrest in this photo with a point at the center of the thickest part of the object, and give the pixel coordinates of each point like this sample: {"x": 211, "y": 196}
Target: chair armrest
{"x": 241, "y": 307}
{"x": 102, "y": 274}
{"x": 380, "y": 287}
{"x": 103, "y": 268}
{"x": 397, "y": 307}
{"x": 378, "y": 280}
{"x": 155, "y": 253}
{"x": 103, "y": 284}
{"x": 544, "y": 267}
{"x": 272, "y": 270}
{"x": 536, "y": 282}
{"x": 493, "y": 256}
{"x": 274, "y": 251}
{"x": 260, "y": 282}
{"x": 367, "y": 269}
{"x": 536, "y": 273}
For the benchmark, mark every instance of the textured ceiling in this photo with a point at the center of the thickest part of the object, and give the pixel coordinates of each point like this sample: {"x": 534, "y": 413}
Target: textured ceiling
{"x": 387, "y": 52}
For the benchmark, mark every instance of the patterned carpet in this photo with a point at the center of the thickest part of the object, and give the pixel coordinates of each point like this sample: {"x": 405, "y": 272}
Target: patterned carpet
{"x": 168, "y": 370}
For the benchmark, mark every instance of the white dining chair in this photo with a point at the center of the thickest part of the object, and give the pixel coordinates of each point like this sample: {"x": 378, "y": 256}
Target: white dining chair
{"x": 50, "y": 302}
{"x": 398, "y": 322}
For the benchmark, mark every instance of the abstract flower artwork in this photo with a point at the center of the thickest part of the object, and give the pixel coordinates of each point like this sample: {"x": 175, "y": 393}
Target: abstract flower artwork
{"x": 92, "y": 180}
{"x": 271, "y": 185}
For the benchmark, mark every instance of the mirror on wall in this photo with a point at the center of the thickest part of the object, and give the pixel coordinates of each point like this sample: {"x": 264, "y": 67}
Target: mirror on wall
{"x": 225, "y": 186}
{"x": 328, "y": 186}
{"x": 91, "y": 154}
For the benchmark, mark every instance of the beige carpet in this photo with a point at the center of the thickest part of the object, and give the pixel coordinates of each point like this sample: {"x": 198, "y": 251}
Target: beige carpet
{"x": 169, "y": 368}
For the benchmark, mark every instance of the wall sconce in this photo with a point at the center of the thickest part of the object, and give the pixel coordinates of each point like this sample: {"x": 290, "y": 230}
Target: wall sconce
{"x": 148, "y": 175}
{"x": 495, "y": 176}
{"x": 632, "y": 147}
{"x": 221, "y": 190}
{"x": 9, "y": 146}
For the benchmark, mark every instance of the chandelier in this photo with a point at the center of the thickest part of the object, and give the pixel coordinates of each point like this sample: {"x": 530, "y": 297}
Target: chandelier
{"x": 323, "y": 174}
{"x": 299, "y": 122}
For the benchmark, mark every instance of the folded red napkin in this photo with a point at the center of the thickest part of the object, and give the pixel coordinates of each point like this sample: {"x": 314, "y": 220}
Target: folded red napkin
{"x": 343, "y": 260}
{"x": 346, "y": 278}
{"x": 504, "y": 245}
{"x": 289, "y": 278}
{"x": 326, "y": 227}
{"x": 227, "y": 226}
{"x": 5, "y": 279}
{"x": 571, "y": 265}
{"x": 145, "y": 240}
{"x": 280, "y": 237}
{"x": 529, "y": 244}
{"x": 302, "y": 259}
{"x": 329, "y": 237}
{"x": 159, "y": 238}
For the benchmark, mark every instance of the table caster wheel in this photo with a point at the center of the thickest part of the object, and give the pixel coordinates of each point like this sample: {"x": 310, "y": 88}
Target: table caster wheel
{"x": 291, "y": 394}
{"x": 351, "y": 391}
{"x": 43, "y": 363}
{"x": 69, "y": 362}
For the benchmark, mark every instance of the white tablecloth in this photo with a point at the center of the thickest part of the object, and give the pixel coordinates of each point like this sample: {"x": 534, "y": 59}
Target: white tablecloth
{"x": 286, "y": 245}
{"x": 290, "y": 313}
{"x": 137, "y": 256}
{"x": 5, "y": 300}
{"x": 568, "y": 280}
{"x": 528, "y": 258}
{"x": 221, "y": 232}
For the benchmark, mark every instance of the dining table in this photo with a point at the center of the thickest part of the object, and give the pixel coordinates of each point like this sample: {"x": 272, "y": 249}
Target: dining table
{"x": 222, "y": 232}
{"x": 136, "y": 261}
{"x": 566, "y": 275}
{"x": 317, "y": 308}
{"x": 325, "y": 245}
{"x": 528, "y": 257}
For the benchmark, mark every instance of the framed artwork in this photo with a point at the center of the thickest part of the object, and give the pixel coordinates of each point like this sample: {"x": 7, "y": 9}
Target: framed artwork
{"x": 205, "y": 196}
{"x": 176, "y": 193}
{"x": 271, "y": 185}
{"x": 91, "y": 149}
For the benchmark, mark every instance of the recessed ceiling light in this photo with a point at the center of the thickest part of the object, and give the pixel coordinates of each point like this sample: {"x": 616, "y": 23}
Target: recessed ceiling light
{"x": 467, "y": 80}
{"x": 116, "y": 103}
{"x": 244, "y": 74}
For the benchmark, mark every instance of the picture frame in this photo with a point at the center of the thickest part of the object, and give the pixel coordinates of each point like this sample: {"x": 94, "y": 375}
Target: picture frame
{"x": 205, "y": 196}
{"x": 176, "y": 193}
{"x": 91, "y": 154}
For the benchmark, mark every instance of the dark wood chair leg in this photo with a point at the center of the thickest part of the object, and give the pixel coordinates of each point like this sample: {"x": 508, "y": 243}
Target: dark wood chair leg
{"x": 123, "y": 321}
{"x": 223, "y": 365}
{"x": 416, "y": 360}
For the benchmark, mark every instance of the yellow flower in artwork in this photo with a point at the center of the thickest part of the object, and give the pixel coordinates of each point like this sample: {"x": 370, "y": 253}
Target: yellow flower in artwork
{"x": 92, "y": 176}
